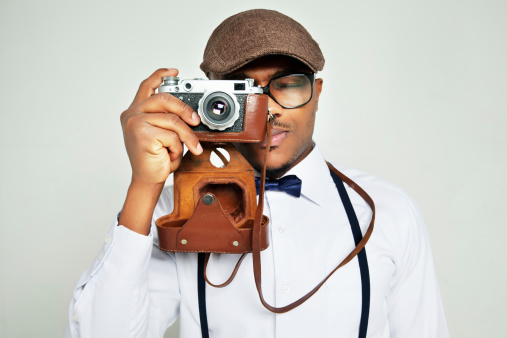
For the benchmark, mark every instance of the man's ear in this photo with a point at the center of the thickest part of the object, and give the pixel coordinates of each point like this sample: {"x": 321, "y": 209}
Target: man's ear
{"x": 318, "y": 86}
{"x": 318, "y": 89}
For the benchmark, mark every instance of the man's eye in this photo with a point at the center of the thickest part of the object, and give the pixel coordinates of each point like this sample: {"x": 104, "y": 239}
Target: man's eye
{"x": 288, "y": 84}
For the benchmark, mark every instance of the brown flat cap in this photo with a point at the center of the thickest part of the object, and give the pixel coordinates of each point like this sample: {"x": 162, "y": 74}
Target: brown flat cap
{"x": 249, "y": 35}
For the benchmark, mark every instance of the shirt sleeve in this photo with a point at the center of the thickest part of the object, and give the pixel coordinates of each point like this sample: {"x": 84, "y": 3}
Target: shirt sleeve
{"x": 414, "y": 301}
{"x": 131, "y": 289}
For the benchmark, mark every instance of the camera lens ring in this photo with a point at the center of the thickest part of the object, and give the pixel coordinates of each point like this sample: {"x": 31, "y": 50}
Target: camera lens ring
{"x": 221, "y": 120}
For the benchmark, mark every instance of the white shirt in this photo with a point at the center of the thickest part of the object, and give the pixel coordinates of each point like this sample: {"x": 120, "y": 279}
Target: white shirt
{"x": 133, "y": 289}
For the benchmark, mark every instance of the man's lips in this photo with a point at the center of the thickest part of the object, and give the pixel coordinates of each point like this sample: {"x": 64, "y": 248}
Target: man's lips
{"x": 277, "y": 137}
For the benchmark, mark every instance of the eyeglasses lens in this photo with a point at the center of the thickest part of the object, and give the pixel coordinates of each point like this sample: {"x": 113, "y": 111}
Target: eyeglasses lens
{"x": 291, "y": 90}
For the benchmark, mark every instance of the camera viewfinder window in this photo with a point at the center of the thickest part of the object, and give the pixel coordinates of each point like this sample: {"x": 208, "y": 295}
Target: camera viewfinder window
{"x": 239, "y": 86}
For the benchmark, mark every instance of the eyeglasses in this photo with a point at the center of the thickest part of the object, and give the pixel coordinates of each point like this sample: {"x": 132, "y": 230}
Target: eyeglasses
{"x": 291, "y": 91}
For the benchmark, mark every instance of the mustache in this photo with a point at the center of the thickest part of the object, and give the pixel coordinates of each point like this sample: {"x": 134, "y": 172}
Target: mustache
{"x": 281, "y": 125}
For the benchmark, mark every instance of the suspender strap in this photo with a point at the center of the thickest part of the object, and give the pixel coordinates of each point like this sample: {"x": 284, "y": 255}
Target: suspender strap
{"x": 361, "y": 256}
{"x": 201, "y": 293}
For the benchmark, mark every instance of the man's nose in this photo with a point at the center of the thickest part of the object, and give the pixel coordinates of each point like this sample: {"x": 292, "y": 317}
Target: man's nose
{"x": 274, "y": 108}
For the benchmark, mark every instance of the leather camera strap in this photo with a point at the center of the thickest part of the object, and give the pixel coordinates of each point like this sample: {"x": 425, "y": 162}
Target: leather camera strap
{"x": 362, "y": 260}
{"x": 256, "y": 239}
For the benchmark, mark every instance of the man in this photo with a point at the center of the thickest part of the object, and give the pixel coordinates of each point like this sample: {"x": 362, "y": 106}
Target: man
{"x": 134, "y": 289}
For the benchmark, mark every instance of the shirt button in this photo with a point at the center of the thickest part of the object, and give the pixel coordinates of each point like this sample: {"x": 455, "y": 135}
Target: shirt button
{"x": 107, "y": 240}
{"x": 75, "y": 317}
{"x": 285, "y": 289}
{"x": 281, "y": 230}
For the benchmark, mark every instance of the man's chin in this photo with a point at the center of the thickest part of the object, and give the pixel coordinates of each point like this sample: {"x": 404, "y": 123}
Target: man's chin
{"x": 277, "y": 172}
{"x": 273, "y": 169}
{"x": 277, "y": 161}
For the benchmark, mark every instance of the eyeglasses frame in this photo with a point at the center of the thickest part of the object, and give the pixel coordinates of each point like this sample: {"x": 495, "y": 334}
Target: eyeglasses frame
{"x": 266, "y": 90}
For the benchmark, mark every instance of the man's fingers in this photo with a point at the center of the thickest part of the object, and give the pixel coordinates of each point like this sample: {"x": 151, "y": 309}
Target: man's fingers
{"x": 171, "y": 122}
{"x": 148, "y": 86}
{"x": 171, "y": 141}
{"x": 166, "y": 103}
{"x": 173, "y": 145}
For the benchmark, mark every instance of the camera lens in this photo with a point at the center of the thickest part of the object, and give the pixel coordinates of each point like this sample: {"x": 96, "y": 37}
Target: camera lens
{"x": 218, "y": 110}
{"x": 217, "y": 107}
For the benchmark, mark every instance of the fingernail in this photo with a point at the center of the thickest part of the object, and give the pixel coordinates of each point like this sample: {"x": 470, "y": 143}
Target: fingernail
{"x": 195, "y": 117}
{"x": 199, "y": 148}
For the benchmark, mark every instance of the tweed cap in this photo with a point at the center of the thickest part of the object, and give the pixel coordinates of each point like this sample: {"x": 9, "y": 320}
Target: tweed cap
{"x": 249, "y": 35}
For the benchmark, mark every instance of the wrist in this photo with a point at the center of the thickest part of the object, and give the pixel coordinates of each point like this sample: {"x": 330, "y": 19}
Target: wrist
{"x": 137, "y": 212}
{"x": 149, "y": 188}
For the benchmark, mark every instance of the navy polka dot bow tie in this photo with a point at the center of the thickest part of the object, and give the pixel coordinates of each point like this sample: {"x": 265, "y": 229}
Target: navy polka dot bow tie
{"x": 290, "y": 184}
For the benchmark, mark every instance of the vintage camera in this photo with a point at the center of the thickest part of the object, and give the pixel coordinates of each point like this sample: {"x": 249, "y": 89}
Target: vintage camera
{"x": 215, "y": 206}
{"x": 219, "y": 103}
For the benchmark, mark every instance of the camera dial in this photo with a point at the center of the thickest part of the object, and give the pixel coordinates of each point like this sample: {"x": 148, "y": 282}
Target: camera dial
{"x": 170, "y": 80}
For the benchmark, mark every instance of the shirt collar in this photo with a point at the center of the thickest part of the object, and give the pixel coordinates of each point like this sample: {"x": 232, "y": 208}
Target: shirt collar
{"x": 314, "y": 174}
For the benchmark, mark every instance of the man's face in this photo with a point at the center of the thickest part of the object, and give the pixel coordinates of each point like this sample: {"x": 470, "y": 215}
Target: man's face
{"x": 293, "y": 128}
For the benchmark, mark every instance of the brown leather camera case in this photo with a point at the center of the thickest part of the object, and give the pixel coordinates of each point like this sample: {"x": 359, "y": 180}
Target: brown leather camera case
{"x": 225, "y": 225}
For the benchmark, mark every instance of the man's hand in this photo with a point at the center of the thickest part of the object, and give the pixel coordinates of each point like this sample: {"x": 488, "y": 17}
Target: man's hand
{"x": 155, "y": 126}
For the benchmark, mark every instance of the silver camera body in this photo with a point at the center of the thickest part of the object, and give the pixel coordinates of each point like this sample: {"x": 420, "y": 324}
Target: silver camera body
{"x": 219, "y": 103}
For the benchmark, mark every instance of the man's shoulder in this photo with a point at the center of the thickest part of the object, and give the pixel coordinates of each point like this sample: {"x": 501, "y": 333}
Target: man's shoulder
{"x": 398, "y": 220}
{"x": 388, "y": 197}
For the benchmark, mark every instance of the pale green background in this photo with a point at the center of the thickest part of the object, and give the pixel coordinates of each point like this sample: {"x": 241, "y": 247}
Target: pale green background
{"x": 414, "y": 92}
